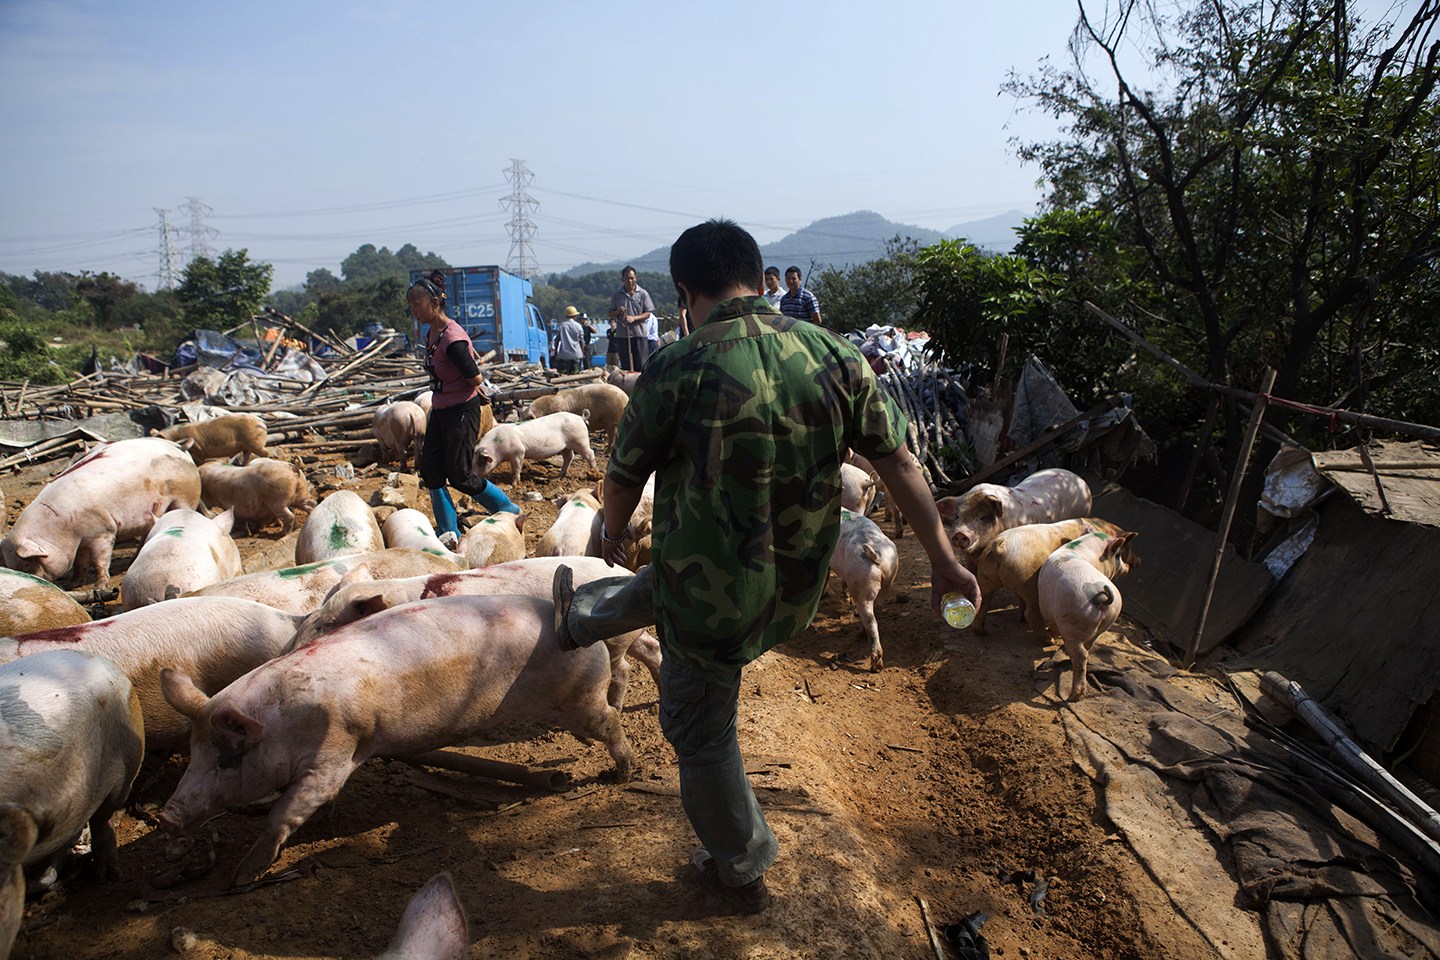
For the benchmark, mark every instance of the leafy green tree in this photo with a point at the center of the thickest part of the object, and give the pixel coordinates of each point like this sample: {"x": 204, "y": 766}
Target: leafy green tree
{"x": 105, "y": 293}
{"x": 369, "y": 265}
{"x": 879, "y": 292}
{"x": 225, "y": 292}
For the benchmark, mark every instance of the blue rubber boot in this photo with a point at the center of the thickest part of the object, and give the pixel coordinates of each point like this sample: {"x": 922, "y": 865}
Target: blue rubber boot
{"x": 492, "y": 498}
{"x": 446, "y": 519}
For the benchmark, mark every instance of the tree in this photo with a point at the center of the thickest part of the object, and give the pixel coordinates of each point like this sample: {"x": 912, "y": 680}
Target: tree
{"x": 105, "y": 293}
{"x": 1281, "y": 183}
{"x": 225, "y": 292}
{"x": 878, "y": 292}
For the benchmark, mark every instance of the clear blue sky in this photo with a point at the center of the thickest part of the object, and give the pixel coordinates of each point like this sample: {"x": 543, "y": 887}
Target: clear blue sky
{"x": 311, "y": 128}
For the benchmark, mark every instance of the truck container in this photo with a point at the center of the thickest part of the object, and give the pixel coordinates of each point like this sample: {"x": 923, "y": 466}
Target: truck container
{"x": 495, "y": 309}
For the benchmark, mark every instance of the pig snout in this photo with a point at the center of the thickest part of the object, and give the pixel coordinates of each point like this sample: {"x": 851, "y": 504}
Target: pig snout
{"x": 171, "y": 822}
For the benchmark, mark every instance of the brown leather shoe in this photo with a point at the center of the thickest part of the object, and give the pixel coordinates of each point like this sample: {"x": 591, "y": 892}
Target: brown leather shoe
{"x": 562, "y": 590}
{"x": 752, "y": 898}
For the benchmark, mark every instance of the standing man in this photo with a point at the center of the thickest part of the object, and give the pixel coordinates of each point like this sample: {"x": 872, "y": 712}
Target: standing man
{"x": 744, "y": 424}
{"x": 569, "y": 345}
{"x": 773, "y": 292}
{"x": 630, "y": 308}
{"x": 798, "y": 303}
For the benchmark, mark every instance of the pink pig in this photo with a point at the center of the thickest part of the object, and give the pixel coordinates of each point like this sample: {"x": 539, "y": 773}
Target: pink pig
{"x": 975, "y": 518}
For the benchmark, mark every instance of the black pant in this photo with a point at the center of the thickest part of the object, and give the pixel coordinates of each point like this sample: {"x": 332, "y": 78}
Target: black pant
{"x": 567, "y": 366}
{"x": 449, "y": 453}
{"x": 632, "y": 352}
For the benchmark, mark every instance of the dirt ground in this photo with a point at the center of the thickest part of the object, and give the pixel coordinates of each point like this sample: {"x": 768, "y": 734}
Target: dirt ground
{"x": 937, "y": 779}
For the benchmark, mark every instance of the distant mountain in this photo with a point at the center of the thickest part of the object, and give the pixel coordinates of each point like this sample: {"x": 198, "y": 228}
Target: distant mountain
{"x": 838, "y": 242}
{"x": 996, "y": 234}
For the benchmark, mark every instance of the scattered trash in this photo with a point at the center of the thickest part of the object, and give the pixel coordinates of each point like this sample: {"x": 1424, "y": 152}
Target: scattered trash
{"x": 534, "y": 496}
{"x": 345, "y": 471}
{"x": 965, "y": 938}
{"x": 1021, "y": 877}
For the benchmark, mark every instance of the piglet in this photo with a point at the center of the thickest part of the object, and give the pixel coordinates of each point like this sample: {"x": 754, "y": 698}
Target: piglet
{"x": 866, "y": 562}
{"x": 433, "y": 927}
{"x": 112, "y": 493}
{"x": 184, "y": 551}
{"x": 570, "y": 533}
{"x": 28, "y": 603}
{"x": 422, "y": 676}
{"x": 1077, "y": 598}
{"x": 559, "y": 434}
{"x": 259, "y": 492}
{"x": 400, "y": 429}
{"x": 1014, "y": 558}
{"x": 340, "y": 525}
{"x": 72, "y": 738}
{"x": 975, "y": 518}
{"x": 219, "y": 438}
{"x": 498, "y": 538}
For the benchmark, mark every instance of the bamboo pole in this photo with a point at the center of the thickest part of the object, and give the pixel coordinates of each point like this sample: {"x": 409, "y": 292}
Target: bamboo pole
{"x": 1237, "y": 477}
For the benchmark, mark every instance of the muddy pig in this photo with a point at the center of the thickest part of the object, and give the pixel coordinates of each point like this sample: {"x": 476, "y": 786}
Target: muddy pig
{"x": 866, "y": 562}
{"x": 400, "y": 429}
{"x": 341, "y": 524}
{"x": 214, "y": 639}
{"x": 605, "y": 403}
{"x": 112, "y": 493}
{"x": 1014, "y": 558}
{"x": 558, "y": 434}
{"x": 1077, "y": 598}
{"x": 184, "y": 551}
{"x": 624, "y": 379}
{"x": 857, "y": 489}
{"x": 261, "y": 491}
{"x": 570, "y": 533}
{"x": 498, "y": 538}
{"x": 302, "y": 589}
{"x": 305, "y": 721}
{"x": 28, "y": 603}
{"x": 409, "y": 529}
{"x": 973, "y": 519}
{"x": 220, "y": 438}
{"x": 433, "y": 927}
{"x": 71, "y": 741}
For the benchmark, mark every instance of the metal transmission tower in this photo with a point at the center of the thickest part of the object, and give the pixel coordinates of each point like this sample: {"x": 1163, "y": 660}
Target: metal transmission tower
{"x": 169, "y": 255}
{"x": 199, "y": 233}
{"x": 521, "y": 261}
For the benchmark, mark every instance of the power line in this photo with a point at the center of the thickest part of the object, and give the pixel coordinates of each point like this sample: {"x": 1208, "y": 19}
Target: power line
{"x": 521, "y": 228}
{"x": 199, "y": 233}
{"x": 169, "y": 256}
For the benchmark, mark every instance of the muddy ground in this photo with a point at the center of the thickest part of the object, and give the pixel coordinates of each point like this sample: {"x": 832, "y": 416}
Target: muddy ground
{"x": 937, "y": 779}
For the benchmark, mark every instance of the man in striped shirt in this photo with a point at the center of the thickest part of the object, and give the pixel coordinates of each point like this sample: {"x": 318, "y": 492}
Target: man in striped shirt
{"x": 798, "y": 303}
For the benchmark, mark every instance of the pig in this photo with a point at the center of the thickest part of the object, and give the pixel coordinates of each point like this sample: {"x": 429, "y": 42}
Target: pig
{"x": 400, "y": 429}
{"x": 220, "y": 438}
{"x": 302, "y": 589}
{"x": 605, "y": 403}
{"x": 213, "y": 639}
{"x": 1014, "y": 558}
{"x": 358, "y": 596}
{"x": 857, "y": 489}
{"x": 435, "y": 673}
{"x": 410, "y": 529}
{"x": 974, "y": 519}
{"x": 184, "y": 551}
{"x": 866, "y": 562}
{"x": 1078, "y": 601}
{"x": 112, "y": 493}
{"x": 562, "y": 434}
{"x": 499, "y": 538}
{"x": 340, "y": 525}
{"x": 893, "y": 515}
{"x": 28, "y": 603}
{"x": 259, "y": 492}
{"x": 71, "y": 741}
{"x": 433, "y": 927}
{"x": 624, "y": 379}
{"x": 423, "y": 400}
{"x": 570, "y": 534}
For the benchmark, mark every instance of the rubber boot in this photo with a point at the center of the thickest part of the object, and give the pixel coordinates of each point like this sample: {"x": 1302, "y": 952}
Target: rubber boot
{"x": 446, "y": 519}
{"x": 492, "y": 498}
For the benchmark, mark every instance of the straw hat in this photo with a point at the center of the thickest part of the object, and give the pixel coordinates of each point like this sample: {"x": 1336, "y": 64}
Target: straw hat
{"x": 571, "y": 312}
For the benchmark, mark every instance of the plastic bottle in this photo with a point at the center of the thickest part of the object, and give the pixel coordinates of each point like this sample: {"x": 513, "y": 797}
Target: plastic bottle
{"x": 957, "y": 611}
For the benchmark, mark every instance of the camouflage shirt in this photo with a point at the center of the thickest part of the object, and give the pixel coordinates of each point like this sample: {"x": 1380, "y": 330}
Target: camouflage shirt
{"x": 743, "y": 423}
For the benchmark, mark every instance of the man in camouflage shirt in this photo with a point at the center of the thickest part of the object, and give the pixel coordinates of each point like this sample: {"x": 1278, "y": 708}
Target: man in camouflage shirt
{"x": 745, "y": 424}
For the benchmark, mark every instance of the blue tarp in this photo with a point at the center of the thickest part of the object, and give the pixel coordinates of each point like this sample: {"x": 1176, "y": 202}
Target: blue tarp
{"x": 212, "y": 349}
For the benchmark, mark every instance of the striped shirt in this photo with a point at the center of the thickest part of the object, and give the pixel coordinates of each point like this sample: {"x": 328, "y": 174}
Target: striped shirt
{"x": 802, "y": 305}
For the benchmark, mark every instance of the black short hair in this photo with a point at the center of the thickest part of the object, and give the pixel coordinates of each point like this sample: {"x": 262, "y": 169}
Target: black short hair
{"x": 629, "y": 269}
{"x": 772, "y": 271}
{"x": 714, "y": 257}
{"x": 793, "y": 269}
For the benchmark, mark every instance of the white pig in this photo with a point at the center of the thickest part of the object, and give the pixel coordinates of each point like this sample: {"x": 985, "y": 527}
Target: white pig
{"x": 425, "y": 675}
{"x": 112, "y": 493}
{"x": 559, "y": 434}
{"x": 1014, "y": 558}
{"x": 973, "y": 519}
{"x": 341, "y": 524}
{"x": 857, "y": 489}
{"x": 570, "y": 533}
{"x": 261, "y": 491}
{"x": 184, "y": 551}
{"x": 301, "y": 589}
{"x": 423, "y": 400}
{"x": 433, "y": 927}
{"x": 400, "y": 429}
{"x": 214, "y": 639}
{"x": 358, "y": 596}
{"x": 1077, "y": 598}
{"x": 866, "y": 562}
{"x": 409, "y": 529}
{"x": 892, "y": 512}
{"x": 498, "y": 538}
{"x": 71, "y": 742}
{"x": 28, "y": 603}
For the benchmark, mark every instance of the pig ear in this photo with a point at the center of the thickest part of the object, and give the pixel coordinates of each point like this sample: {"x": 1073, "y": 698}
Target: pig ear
{"x": 226, "y": 520}
{"x": 181, "y": 693}
{"x": 948, "y": 507}
{"x": 366, "y": 606}
{"x": 994, "y": 505}
{"x": 186, "y": 443}
{"x": 30, "y": 550}
{"x": 232, "y": 722}
{"x": 434, "y": 923}
{"x": 1118, "y": 544}
{"x": 520, "y": 521}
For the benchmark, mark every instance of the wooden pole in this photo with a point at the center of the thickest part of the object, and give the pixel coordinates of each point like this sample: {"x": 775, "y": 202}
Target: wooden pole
{"x": 1267, "y": 381}
{"x": 1200, "y": 447}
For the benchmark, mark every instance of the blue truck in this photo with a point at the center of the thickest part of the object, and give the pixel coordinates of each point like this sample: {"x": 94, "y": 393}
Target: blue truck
{"x": 494, "y": 308}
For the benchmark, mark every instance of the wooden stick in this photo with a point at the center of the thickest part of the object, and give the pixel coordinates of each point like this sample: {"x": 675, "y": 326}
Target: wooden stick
{"x": 1228, "y": 514}
{"x": 1211, "y": 413}
{"x": 492, "y": 769}
{"x": 930, "y": 929}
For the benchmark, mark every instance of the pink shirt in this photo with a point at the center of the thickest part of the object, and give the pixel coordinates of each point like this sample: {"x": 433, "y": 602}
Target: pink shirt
{"x": 455, "y": 389}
